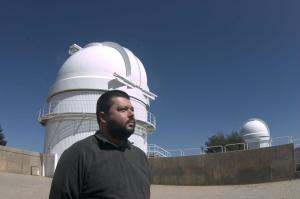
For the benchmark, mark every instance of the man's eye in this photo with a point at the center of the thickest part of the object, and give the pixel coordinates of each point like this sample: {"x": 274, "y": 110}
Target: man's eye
{"x": 125, "y": 109}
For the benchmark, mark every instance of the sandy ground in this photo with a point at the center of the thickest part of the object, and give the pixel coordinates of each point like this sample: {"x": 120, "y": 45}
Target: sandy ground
{"x": 275, "y": 190}
{"x": 17, "y": 186}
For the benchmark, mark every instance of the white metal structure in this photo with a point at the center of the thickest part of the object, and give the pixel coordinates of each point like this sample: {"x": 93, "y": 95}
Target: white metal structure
{"x": 256, "y": 133}
{"x": 69, "y": 114}
{"x": 157, "y": 151}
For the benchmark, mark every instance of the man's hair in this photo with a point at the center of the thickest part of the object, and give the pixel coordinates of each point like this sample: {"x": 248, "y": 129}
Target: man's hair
{"x": 104, "y": 102}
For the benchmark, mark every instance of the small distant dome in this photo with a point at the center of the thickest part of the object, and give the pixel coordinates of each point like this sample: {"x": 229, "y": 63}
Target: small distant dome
{"x": 256, "y": 133}
{"x": 255, "y": 126}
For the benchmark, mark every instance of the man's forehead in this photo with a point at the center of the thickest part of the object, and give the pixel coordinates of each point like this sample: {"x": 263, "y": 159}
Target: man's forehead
{"x": 120, "y": 101}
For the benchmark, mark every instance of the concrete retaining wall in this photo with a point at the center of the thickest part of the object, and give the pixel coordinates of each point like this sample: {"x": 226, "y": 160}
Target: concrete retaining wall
{"x": 238, "y": 167}
{"x": 20, "y": 161}
{"x": 297, "y": 160}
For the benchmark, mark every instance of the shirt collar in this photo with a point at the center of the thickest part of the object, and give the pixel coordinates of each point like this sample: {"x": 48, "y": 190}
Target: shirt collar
{"x": 125, "y": 144}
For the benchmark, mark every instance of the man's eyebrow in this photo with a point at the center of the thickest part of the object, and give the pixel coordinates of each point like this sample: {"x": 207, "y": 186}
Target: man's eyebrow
{"x": 123, "y": 106}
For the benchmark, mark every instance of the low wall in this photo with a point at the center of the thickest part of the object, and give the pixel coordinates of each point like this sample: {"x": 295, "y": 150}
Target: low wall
{"x": 20, "y": 161}
{"x": 237, "y": 167}
{"x": 297, "y": 160}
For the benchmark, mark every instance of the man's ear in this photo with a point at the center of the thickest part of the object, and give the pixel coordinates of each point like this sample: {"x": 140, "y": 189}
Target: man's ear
{"x": 102, "y": 117}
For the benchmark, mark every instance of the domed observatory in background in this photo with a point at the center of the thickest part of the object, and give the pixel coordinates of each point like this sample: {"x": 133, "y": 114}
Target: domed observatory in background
{"x": 256, "y": 133}
{"x": 70, "y": 112}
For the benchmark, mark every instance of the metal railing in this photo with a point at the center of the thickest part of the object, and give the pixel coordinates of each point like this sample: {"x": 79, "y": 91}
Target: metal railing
{"x": 67, "y": 106}
{"x": 296, "y": 142}
{"x": 173, "y": 152}
{"x": 151, "y": 118}
{"x": 234, "y": 145}
{"x": 281, "y": 140}
{"x": 53, "y": 109}
{"x": 225, "y": 148}
{"x": 156, "y": 151}
{"x": 211, "y": 149}
{"x": 193, "y": 151}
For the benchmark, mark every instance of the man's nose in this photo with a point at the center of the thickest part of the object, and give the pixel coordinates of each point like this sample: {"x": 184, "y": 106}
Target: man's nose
{"x": 130, "y": 113}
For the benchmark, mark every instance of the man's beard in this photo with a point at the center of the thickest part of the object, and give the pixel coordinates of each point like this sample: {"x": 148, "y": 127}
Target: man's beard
{"x": 118, "y": 131}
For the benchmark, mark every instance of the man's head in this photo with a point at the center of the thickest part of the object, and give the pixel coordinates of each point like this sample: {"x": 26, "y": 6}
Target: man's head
{"x": 115, "y": 114}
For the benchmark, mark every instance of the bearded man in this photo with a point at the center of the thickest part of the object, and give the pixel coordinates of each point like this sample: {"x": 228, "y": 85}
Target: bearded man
{"x": 105, "y": 165}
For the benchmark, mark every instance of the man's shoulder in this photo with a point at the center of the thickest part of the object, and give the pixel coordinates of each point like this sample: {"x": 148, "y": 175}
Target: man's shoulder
{"x": 82, "y": 145}
{"x": 137, "y": 150}
{"x": 86, "y": 141}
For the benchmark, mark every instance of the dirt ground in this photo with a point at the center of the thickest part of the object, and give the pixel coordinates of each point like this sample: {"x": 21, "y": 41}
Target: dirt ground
{"x": 17, "y": 186}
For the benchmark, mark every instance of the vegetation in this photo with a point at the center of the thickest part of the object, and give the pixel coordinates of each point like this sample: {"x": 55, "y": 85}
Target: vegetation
{"x": 220, "y": 139}
{"x": 3, "y": 142}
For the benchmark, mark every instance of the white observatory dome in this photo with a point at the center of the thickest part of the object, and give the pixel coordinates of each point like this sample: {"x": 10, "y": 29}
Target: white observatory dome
{"x": 256, "y": 133}
{"x": 96, "y": 65}
{"x": 70, "y": 112}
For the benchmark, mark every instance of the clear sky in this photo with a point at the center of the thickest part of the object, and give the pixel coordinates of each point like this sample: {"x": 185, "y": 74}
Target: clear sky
{"x": 213, "y": 63}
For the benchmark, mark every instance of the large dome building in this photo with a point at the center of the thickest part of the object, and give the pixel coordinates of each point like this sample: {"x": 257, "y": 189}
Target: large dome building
{"x": 69, "y": 114}
{"x": 256, "y": 133}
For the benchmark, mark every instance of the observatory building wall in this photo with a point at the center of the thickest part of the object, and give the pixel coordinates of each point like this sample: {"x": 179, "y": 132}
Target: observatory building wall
{"x": 238, "y": 167}
{"x": 20, "y": 161}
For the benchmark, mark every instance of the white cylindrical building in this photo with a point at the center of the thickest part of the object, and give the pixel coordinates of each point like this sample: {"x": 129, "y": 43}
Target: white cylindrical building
{"x": 256, "y": 133}
{"x": 70, "y": 112}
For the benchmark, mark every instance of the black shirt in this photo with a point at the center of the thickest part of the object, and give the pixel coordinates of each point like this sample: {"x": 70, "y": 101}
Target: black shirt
{"x": 95, "y": 168}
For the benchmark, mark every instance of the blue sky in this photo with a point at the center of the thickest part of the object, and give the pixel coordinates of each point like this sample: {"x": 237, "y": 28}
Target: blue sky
{"x": 213, "y": 64}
